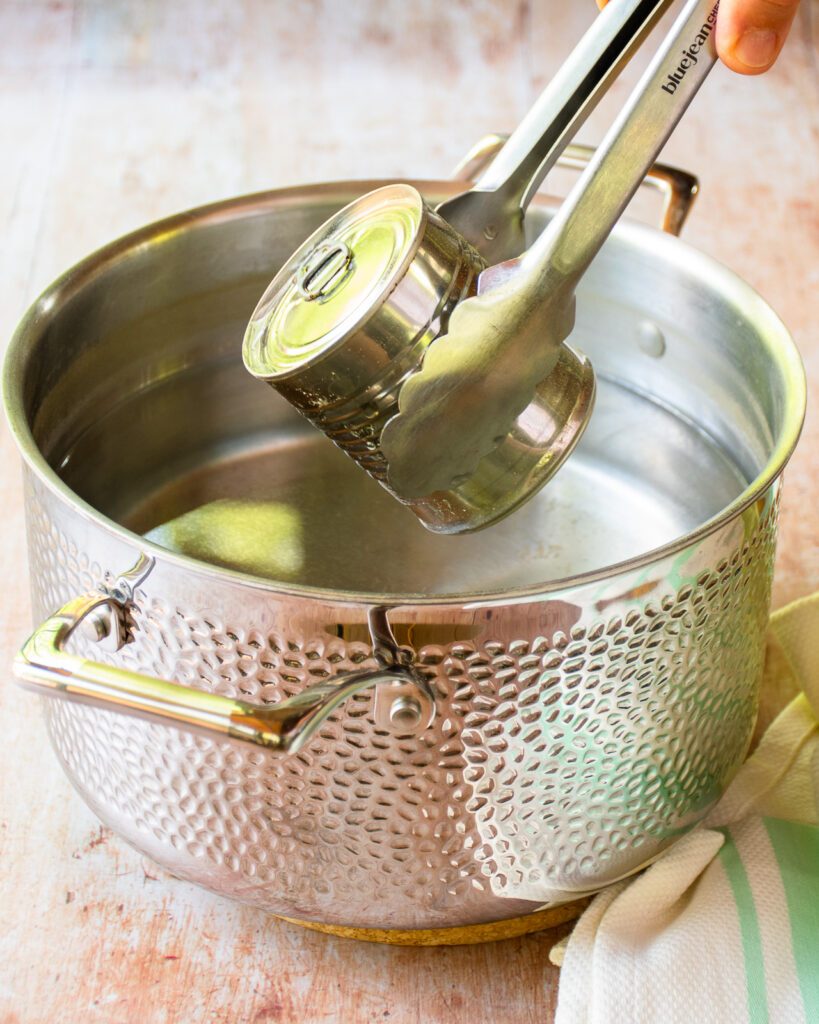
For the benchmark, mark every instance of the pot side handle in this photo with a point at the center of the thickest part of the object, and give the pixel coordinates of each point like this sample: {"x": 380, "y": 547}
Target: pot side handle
{"x": 44, "y": 667}
{"x": 679, "y": 189}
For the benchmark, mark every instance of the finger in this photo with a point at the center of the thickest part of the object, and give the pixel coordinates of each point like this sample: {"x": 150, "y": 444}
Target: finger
{"x": 751, "y": 33}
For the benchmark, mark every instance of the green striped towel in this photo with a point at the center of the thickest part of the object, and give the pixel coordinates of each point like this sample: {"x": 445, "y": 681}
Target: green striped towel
{"x": 724, "y": 928}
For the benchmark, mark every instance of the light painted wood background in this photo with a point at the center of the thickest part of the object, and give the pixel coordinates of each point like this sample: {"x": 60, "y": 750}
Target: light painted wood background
{"x": 116, "y": 112}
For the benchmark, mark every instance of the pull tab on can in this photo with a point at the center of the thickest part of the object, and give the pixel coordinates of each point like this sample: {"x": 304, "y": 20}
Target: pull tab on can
{"x": 324, "y": 270}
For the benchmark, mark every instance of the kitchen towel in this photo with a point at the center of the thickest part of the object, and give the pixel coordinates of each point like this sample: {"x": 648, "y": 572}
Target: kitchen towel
{"x": 724, "y": 928}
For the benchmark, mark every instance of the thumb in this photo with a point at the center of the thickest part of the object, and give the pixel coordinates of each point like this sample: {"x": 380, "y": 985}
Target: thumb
{"x": 750, "y": 33}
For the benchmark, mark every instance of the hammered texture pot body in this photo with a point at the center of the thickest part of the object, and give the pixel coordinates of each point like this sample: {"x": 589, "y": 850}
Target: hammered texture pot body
{"x": 577, "y": 734}
{"x": 581, "y": 727}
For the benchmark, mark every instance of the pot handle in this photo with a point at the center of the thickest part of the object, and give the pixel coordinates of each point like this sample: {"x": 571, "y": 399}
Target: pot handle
{"x": 679, "y": 189}
{"x": 43, "y": 666}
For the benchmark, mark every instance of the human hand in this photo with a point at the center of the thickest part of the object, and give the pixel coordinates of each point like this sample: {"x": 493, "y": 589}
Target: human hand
{"x": 751, "y": 33}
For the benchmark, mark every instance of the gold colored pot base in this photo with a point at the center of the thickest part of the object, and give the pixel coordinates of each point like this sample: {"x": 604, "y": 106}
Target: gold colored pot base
{"x": 466, "y": 935}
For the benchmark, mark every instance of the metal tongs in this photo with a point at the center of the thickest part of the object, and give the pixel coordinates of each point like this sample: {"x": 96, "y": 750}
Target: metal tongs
{"x": 423, "y": 343}
{"x": 478, "y": 377}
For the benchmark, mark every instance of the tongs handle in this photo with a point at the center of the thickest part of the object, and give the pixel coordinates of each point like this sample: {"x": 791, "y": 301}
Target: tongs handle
{"x": 501, "y": 195}
{"x": 588, "y": 214}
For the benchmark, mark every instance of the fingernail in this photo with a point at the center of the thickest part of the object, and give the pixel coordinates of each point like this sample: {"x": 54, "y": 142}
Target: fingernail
{"x": 757, "y": 47}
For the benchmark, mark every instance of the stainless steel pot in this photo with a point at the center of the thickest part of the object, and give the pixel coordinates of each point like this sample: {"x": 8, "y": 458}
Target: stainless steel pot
{"x": 525, "y": 715}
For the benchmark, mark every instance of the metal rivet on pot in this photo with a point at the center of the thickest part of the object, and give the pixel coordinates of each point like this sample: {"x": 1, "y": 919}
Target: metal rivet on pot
{"x": 97, "y": 626}
{"x": 651, "y": 339}
{"x": 405, "y": 713}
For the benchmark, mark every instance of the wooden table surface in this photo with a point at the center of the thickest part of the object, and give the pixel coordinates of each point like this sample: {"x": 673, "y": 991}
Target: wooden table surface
{"x": 113, "y": 114}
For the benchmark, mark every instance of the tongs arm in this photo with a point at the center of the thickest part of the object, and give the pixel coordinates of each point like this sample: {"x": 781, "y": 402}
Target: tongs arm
{"x": 503, "y": 345}
{"x": 573, "y": 238}
{"x": 490, "y": 215}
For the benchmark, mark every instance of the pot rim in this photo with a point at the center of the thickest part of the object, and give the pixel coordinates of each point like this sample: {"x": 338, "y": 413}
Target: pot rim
{"x": 669, "y": 248}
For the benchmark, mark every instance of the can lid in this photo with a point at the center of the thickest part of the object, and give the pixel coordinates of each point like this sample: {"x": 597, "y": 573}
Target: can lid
{"x": 334, "y": 282}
